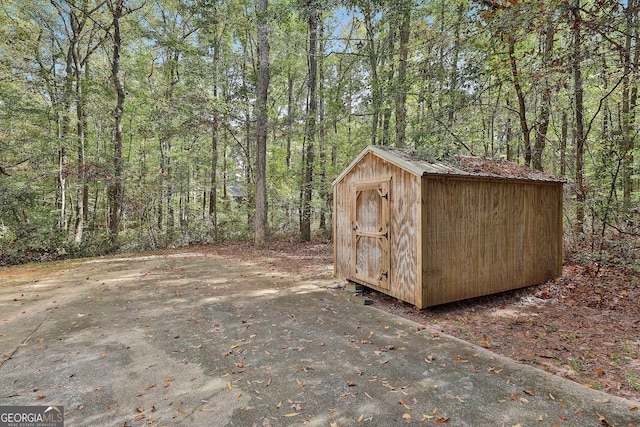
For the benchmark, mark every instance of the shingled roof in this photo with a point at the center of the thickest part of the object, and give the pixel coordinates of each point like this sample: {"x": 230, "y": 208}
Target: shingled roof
{"x": 455, "y": 165}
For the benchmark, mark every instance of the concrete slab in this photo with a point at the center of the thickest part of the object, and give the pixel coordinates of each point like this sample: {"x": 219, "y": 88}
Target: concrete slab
{"x": 198, "y": 340}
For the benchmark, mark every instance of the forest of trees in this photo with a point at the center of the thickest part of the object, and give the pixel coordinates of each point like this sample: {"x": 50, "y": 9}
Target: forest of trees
{"x": 141, "y": 124}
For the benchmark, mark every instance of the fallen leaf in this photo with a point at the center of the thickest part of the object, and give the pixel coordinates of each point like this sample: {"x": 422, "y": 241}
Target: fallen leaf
{"x": 523, "y": 400}
{"x": 427, "y": 417}
{"x": 442, "y": 420}
{"x": 139, "y": 409}
{"x": 351, "y": 384}
{"x": 150, "y": 386}
{"x": 239, "y": 395}
{"x": 42, "y": 396}
{"x": 421, "y": 328}
{"x": 515, "y": 395}
{"x": 40, "y": 339}
{"x": 529, "y": 392}
{"x": 430, "y": 358}
{"x": 139, "y": 417}
{"x": 459, "y": 399}
{"x": 360, "y": 418}
{"x": 182, "y": 411}
{"x": 563, "y": 417}
{"x": 603, "y": 421}
{"x": 634, "y": 409}
{"x": 403, "y": 403}
{"x": 169, "y": 379}
{"x": 293, "y": 414}
{"x": 406, "y": 416}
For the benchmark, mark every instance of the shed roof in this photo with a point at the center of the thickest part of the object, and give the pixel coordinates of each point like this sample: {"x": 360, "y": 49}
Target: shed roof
{"x": 456, "y": 165}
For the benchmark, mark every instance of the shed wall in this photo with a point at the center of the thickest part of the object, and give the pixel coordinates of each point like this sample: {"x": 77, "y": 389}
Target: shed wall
{"x": 404, "y": 207}
{"x": 486, "y": 236}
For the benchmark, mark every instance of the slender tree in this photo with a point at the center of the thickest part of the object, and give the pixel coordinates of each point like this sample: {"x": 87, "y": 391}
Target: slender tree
{"x": 262, "y": 89}
{"x": 116, "y": 188}
{"x": 312, "y": 108}
{"x": 579, "y": 130}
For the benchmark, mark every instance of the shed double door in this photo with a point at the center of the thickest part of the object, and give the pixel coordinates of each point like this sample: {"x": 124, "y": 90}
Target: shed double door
{"x": 370, "y": 236}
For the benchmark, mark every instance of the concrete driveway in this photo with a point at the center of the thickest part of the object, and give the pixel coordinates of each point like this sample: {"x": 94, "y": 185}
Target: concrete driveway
{"x": 199, "y": 340}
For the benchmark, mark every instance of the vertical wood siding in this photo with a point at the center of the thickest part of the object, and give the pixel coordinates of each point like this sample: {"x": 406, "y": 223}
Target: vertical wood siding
{"x": 404, "y": 203}
{"x": 483, "y": 236}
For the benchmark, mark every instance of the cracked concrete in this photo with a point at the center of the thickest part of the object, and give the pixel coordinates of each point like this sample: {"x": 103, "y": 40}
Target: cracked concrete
{"x": 198, "y": 340}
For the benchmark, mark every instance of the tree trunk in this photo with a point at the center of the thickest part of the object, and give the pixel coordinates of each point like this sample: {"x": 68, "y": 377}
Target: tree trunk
{"x": 375, "y": 82}
{"x": 322, "y": 132}
{"x": 403, "y": 52}
{"x": 312, "y": 107}
{"x": 116, "y": 189}
{"x": 545, "y": 110}
{"x": 261, "y": 129}
{"x": 290, "y": 115}
{"x": 564, "y": 131}
{"x": 576, "y": 25}
{"x": 215, "y": 126}
{"x": 81, "y": 208}
{"x": 63, "y": 132}
{"x": 453, "y": 79}
{"x": 629, "y": 100}
{"x": 389, "y": 76}
{"x": 213, "y": 185}
{"x": 522, "y": 109}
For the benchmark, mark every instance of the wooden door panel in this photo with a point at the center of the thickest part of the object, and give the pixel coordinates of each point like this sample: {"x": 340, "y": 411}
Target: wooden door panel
{"x": 370, "y": 218}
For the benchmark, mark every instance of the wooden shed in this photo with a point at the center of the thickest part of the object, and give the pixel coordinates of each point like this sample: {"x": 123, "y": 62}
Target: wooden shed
{"x": 429, "y": 233}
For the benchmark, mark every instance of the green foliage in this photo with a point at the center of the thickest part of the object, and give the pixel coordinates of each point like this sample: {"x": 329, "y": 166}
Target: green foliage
{"x": 189, "y": 70}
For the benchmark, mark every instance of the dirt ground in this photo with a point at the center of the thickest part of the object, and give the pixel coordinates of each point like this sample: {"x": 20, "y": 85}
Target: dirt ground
{"x": 584, "y": 326}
